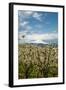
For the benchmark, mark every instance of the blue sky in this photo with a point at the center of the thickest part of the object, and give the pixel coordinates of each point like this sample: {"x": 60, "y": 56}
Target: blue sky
{"x": 37, "y": 27}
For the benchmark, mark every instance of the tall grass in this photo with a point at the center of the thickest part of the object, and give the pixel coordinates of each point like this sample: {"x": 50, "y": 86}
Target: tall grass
{"x": 37, "y": 62}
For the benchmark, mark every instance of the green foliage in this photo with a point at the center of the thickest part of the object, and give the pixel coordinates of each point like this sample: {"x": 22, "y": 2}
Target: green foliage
{"x": 37, "y": 62}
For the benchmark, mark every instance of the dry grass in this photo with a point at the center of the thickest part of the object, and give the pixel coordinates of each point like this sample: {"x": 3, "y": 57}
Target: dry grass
{"x": 37, "y": 62}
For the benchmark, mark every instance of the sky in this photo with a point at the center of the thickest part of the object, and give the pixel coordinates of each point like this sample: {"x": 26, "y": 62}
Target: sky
{"x": 37, "y": 27}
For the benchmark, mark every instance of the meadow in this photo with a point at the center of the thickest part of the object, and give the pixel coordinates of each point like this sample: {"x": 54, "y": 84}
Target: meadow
{"x": 37, "y": 61}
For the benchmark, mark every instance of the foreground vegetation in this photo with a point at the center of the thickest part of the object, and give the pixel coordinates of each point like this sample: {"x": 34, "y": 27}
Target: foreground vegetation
{"x": 37, "y": 62}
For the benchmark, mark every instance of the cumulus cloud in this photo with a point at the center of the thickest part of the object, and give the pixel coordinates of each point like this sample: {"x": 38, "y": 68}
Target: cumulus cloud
{"x": 24, "y": 13}
{"x": 46, "y": 36}
{"x": 27, "y": 14}
{"x": 23, "y": 23}
{"x": 39, "y": 38}
{"x": 37, "y": 16}
{"x": 24, "y": 27}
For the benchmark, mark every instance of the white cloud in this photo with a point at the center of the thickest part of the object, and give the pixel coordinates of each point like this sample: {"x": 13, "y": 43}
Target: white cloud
{"x": 23, "y": 23}
{"x": 27, "y": 14}
{"x": 37, "y": 16}
{"x": 38, "y": 41}
{"x": 46, "y": 36}
{"x": 39, "y": 38}
{"x": 25, "y": 26}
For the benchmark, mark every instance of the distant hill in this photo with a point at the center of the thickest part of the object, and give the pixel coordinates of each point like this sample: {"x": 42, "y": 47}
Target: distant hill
{"x": 42, "y": 45}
